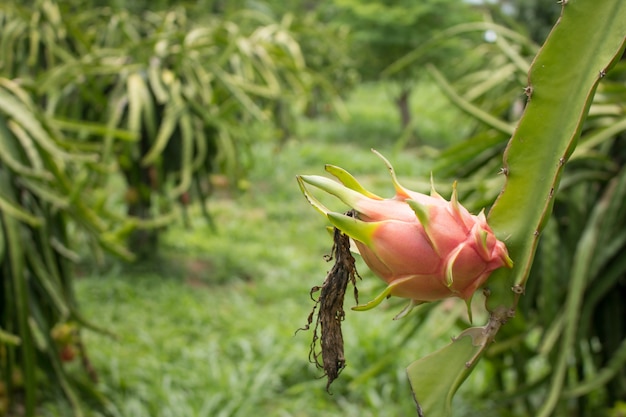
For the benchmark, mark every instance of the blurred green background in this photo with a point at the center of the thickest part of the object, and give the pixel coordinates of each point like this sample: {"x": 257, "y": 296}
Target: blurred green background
{"x": 157, "y": 255}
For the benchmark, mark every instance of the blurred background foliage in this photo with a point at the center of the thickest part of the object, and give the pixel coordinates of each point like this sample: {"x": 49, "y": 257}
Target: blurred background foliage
{"x": 122, "y": 124}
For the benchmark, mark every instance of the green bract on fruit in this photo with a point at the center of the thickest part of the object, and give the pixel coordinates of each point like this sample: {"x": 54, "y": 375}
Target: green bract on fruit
{"x": 425, "y": 247}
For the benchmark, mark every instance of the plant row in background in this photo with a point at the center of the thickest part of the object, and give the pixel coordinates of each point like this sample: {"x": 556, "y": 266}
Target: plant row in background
{"x": 110, "y": 124}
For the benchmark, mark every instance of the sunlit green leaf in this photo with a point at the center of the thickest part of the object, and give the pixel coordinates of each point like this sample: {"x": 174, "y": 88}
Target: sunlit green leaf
{"x": 436, "y": 377}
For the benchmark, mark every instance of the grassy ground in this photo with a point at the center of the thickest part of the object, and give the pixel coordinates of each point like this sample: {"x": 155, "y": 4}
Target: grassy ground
{"x": 210, "y": 330}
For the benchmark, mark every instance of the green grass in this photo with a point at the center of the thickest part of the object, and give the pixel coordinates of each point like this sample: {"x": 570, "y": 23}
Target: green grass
{"x": 374, "y": 120}
{"x": 210, "y": 329}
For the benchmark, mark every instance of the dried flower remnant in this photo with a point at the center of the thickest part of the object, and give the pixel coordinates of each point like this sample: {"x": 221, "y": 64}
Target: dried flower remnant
{"x": 327, "y": 346}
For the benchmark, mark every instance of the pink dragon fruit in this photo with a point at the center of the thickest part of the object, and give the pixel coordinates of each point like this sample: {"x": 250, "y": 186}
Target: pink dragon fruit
{"x": 425, "y": 247}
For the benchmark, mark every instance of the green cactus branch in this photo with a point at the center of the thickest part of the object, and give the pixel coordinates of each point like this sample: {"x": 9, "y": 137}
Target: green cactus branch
{"x": 466, "y": 105}
{"x": 585, "y": 43}
{"x": 587, "y": 40}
